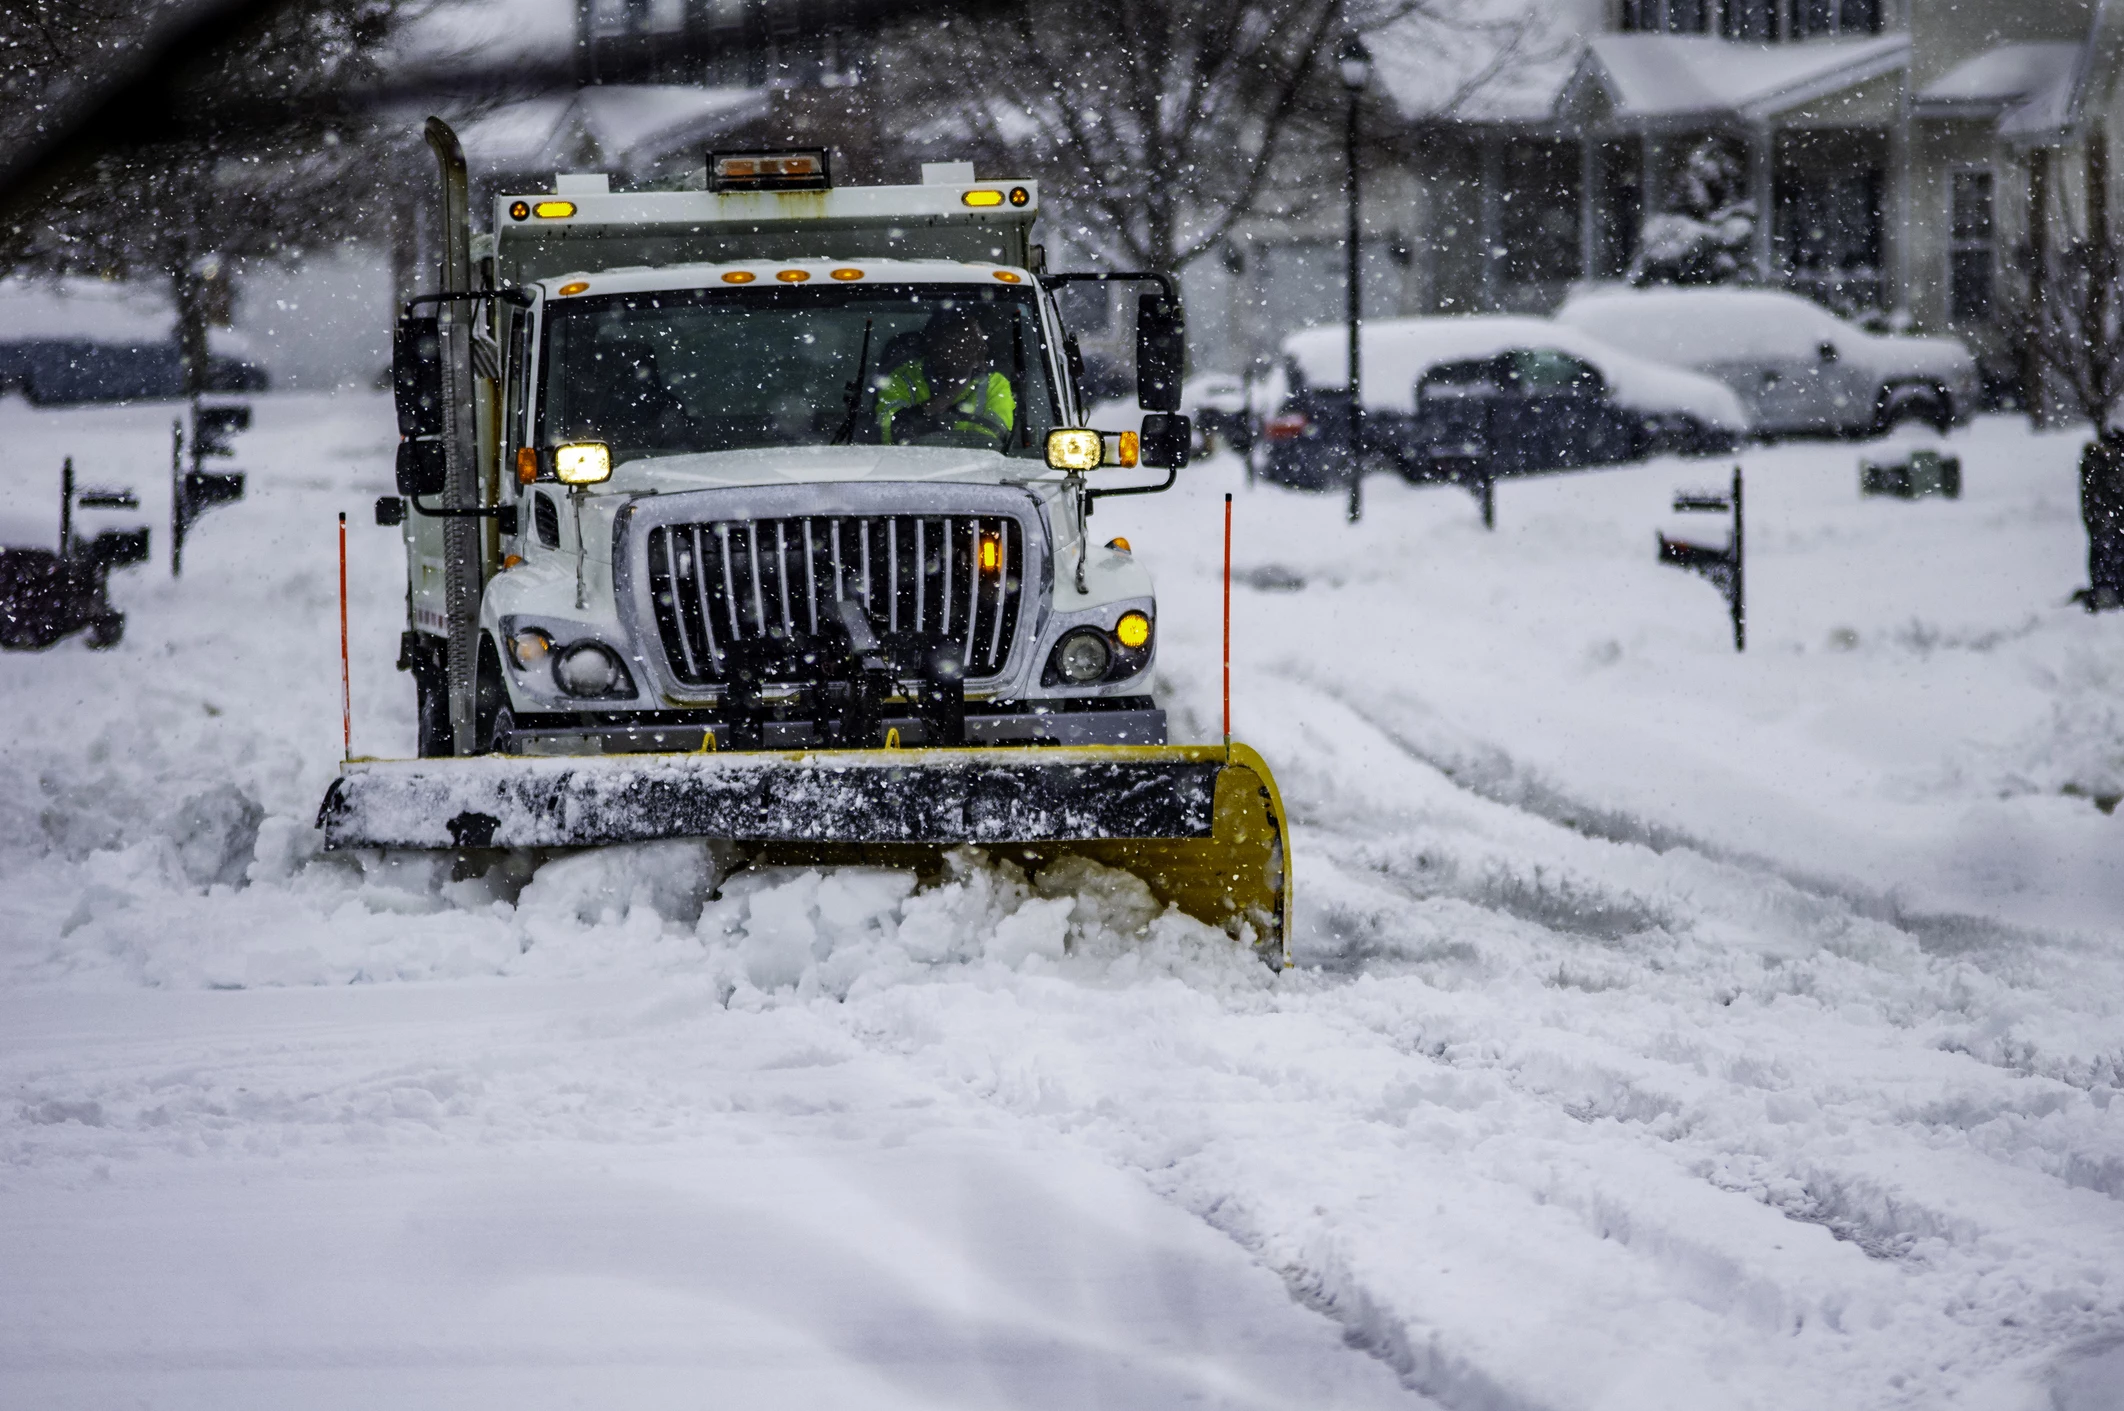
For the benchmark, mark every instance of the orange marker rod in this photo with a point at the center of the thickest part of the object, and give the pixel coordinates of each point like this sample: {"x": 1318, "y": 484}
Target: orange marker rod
{"x": 1227, "y": 623}
{"x": 346, "y": 694}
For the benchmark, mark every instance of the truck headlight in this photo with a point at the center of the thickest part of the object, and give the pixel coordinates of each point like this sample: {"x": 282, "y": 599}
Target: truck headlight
{"x": 530, "y": 648}
{"x": 591, "y": 669}
{"x": 583, "y": 463}
{"x": 1081, "y": 658}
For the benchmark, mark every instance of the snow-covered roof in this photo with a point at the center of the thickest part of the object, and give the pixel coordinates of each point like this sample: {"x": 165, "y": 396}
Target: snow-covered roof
{"x": 2027, "y": 87}
{"x": 1652, "y": 76}
{"x": 612, "y": 126}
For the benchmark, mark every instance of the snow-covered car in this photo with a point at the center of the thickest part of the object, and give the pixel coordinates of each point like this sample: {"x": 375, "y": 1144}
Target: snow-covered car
{"x": 1611, "y": 406}
{"x": 1800, "y": 368}
{"x": 1216, "y": 401}
{"x": 81, "y": 340}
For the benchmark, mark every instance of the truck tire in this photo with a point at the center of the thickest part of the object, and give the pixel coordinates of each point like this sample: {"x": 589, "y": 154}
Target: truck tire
{"x": 431, "y": 706}
{"x": 492, "y": 718}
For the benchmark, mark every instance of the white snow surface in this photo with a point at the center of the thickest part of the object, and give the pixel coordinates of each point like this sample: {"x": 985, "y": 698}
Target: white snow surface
{"x": 1674, "y": 1028}
{"x": 1395, "y": 352}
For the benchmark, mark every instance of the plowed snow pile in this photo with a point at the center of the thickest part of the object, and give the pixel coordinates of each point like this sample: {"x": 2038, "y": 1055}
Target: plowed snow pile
{"x": 1673, "y": 1028}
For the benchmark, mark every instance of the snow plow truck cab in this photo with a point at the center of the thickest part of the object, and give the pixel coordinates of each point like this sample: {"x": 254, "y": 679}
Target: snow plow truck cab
{"x": 760, "y": 513}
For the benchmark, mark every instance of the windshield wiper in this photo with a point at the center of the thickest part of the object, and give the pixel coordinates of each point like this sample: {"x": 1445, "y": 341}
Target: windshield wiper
{"x": 855, "y": 392}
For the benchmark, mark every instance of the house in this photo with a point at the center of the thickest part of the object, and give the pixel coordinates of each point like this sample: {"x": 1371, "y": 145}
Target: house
{"x": 1891, "y": 151}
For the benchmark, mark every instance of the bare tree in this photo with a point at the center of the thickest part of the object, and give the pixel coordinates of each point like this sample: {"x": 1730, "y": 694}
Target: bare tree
{"x": 2075, "y": 319}
{"x": 1159, "y": 123}
{"x": 183, "y": 205}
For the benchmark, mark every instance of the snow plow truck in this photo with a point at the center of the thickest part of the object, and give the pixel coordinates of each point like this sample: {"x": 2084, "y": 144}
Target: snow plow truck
{"x": 760, "y": 513}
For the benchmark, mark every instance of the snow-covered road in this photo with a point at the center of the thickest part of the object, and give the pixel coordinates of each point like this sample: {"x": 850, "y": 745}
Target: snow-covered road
{"x": 1674, "y": 1028}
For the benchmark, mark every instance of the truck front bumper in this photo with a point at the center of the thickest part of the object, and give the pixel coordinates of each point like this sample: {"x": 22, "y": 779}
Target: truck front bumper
{"x": 1143, "y": 726}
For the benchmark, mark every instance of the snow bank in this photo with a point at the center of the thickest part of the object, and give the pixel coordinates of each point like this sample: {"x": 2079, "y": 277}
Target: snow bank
{"x": 1674, "y": 1026}
{"x": 1396, "y": 352}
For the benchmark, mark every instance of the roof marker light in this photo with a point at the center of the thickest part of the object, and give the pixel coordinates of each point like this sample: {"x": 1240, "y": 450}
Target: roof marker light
{"x": 847, "y": 274}
{"x": 519, "y": 210}
{"x": 553, "y": 210}
{"x": 792, "y": 276}
{"x": 739, "y": 276}
{"x": 1009, "y": 277}
{"x": 983, "y": 198}
{"x": 573, "y": 286}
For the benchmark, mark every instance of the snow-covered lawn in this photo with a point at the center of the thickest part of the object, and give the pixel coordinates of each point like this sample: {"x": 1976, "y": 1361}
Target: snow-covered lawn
{"x": 1674, "y": 1028}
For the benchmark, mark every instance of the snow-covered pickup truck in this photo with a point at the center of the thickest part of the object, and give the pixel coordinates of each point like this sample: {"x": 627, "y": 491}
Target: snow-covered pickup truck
{"x": 780, "y": 493}
{"x": 1800, "y": 369}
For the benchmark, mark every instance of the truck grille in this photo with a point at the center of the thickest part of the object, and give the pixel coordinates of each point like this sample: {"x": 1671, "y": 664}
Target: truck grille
{"x": 724, "y": 582}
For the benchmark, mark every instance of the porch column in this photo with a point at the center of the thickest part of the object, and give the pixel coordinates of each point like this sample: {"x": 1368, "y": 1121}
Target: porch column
{"x": 1762, "y": 187}
{"x": 1491, "y": 165}
{"x": 1588, "y": 211}
{"x": 1899, "y": 253}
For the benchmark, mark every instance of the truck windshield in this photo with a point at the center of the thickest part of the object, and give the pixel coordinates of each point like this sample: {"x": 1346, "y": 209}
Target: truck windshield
{"x": 719, "y": 370}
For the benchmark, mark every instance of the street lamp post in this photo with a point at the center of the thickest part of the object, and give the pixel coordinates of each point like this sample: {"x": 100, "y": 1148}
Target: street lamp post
{"x": 1355, "y": 62}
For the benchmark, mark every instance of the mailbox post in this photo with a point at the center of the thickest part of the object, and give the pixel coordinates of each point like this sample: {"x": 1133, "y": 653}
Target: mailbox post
{"x": 1726, "y": 567}
{"x": 195, "y": 491}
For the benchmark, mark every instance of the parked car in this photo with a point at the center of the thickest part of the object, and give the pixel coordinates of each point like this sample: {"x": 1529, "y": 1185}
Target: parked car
{"x": 64, "y": 371}
{"x": 1800, "y": 369}
{"x": 1216, "y": 401}
{"x": 86, "y": 340}
{"x": 1522, "y": 394}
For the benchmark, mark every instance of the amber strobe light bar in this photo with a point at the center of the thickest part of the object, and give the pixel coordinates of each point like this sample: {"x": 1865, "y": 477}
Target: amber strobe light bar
{"x": 800, "y": 169}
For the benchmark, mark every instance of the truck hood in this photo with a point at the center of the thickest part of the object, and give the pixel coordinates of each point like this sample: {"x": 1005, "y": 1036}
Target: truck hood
{"x": 805, "y": 465}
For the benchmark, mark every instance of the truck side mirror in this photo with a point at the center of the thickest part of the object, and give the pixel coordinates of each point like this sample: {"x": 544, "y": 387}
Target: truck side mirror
{"x": 417, "y": 376}
{"x": 421, "y": 468}
{"x": 1161, "y": 350}
{"x": 1167, "y": 441}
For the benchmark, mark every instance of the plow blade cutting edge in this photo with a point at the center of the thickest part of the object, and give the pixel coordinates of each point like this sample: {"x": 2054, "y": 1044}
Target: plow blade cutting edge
{"x": 1202, "y": 825}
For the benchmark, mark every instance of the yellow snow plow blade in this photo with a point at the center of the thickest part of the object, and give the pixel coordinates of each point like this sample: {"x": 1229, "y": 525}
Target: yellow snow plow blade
{"x": 1202, "y": 825}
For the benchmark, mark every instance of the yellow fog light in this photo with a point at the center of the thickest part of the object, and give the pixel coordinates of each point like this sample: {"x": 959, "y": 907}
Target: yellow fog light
{"x": 1127, "y": 448}
{"x": 585, "y": 463}
{"x": 991, "y": 553}
{"x": 553, "y": 210}
{"x": 1133, "y": 630}
{"x": 1074, "y": 449}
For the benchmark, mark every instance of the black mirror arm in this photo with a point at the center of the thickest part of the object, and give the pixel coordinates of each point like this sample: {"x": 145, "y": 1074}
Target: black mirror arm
{"x": 505, "y": 513}
{"x": 1172, "y": 475}
{"x": 1165, "y": 282}
{"x": 517, "y": 297}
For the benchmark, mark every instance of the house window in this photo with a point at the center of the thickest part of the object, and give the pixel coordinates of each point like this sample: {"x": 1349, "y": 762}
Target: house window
{"x": 1970, "y": 250}
{"x": 1538, "y": 211}
{"x": 1808, "y": 18}
{"x": 1667, "y": 16}
{"x": 1748, "y": 19}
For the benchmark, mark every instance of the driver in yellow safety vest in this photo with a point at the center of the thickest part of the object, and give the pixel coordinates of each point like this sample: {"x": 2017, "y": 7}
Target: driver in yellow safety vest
{"x": 948, "y": 390}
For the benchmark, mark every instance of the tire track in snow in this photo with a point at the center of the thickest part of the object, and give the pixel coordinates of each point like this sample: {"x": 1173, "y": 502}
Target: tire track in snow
{"x": 1910, "y": 1202}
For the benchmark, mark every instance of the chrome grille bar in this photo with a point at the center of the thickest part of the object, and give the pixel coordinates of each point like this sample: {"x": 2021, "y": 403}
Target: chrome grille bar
{"x": 709, "y": 595}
